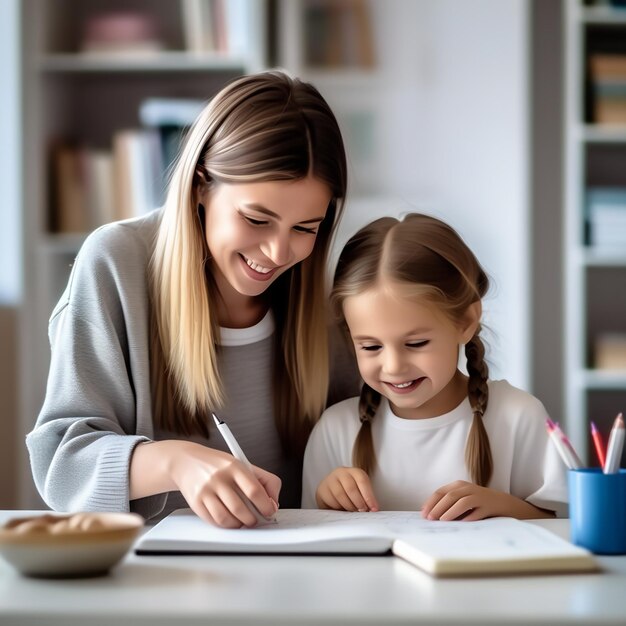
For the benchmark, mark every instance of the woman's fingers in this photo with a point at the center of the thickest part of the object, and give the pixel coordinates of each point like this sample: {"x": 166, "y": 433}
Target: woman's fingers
{"x": 271, "y": 483}
{"x": 212, "y": 510}
{"x": 240, "y": 507}
{"x": 222, "y": 489}
{"x": 260, "y": 488}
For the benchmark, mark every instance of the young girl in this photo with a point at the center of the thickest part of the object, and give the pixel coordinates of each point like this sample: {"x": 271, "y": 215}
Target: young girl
{"x": 217, "y": 303}
{"x": 422, "y": 435}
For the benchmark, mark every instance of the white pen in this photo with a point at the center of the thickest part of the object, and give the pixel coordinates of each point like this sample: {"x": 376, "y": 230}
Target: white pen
{"x": 238, "y": 453}
{"x": 231, "y": 442}
{"x": 615, "y": 447}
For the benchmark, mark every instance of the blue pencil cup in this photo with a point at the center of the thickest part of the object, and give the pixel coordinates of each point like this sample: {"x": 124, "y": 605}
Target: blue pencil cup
{"x": 597, "y": 510}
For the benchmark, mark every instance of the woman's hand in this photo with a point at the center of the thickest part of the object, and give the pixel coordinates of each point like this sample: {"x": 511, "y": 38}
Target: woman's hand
{"x": 348, "y": 489}
{"x": 467, "y": 501}
{"x": 216, "y": 486}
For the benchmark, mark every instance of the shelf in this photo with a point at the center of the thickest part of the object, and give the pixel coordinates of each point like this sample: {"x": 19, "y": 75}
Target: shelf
{"x": 161, "y": 62}
{"x": 595, "y": 155}
{"x": 593, "y": 133}
{"x": 603, "y": 379}
{"x": 603, "y": 258}
{"x": 605, "y": 16}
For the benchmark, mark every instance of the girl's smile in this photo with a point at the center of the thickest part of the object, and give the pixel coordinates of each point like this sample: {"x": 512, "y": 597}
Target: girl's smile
{"x": 406, "y": 387}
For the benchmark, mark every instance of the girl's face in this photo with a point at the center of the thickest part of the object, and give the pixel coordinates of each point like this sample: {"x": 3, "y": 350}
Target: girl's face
{"x": 408, "y": 352}
{"x": 257, "y": 231}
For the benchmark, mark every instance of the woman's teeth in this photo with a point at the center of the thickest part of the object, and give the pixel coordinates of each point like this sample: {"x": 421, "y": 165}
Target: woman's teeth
{"x": 258, "y": 268}
{"x": 403, "y": 385}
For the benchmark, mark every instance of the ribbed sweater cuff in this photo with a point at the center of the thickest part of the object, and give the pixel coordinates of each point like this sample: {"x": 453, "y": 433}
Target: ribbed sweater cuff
{"x": 111, "y": 492}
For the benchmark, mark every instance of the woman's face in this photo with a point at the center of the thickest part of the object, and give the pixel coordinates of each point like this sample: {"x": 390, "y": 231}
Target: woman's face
{"x": 257, "y": 231}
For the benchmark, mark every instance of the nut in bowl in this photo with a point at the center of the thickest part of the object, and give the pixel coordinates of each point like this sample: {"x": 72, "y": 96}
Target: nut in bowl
{"x": 82, "y": 544}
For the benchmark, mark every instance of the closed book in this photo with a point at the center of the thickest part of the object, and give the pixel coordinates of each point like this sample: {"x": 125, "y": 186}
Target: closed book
{"x": 198, "y": 28}
{"x": 610, "y": 351}
{"x": 100, "y": 188}
{"x": 134, "y": 172}
{"x": 70, "y": 213}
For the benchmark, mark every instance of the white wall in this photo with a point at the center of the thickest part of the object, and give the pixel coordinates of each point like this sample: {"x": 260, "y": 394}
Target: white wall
{"x": 10, "y": 232}
{"x": 452, "y": 141}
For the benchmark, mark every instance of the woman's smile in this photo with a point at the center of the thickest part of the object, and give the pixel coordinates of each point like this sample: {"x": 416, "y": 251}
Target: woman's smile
{"x": 256, "y": 271}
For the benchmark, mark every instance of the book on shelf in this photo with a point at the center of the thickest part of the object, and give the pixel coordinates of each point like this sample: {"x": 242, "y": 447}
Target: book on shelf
{"x": 121, "y": 32}
{"x": 606, "y": 216}
{"x": 81, "y": 188}
{"x": 138, "y": 172}
{"x": 491, "y": 546}
{"x": 198, "y": 27}
{"x": 68, "y": 192}
{"x": 91, "y": 187}
{"x": 338, "y": 34}
{"x": 610, "y": 351}
{"x": 100, "y": 186}
{"x": 608, "y": 82}
{"x": 170, "y": 118}
{"x": 219, "y": 26}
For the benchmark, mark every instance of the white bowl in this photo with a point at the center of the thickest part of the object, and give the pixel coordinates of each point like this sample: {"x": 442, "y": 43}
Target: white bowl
{"x": 82, "y": 544}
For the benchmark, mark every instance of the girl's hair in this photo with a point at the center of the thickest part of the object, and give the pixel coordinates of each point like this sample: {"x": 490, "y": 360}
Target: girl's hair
{"x": 262, "y": 127}
{"x": 430, "y": 262}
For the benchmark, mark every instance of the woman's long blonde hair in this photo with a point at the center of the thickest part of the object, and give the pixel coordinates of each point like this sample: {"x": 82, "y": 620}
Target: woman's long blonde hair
{"x": 433, "y": 264}
{"x": 261, "y": 127}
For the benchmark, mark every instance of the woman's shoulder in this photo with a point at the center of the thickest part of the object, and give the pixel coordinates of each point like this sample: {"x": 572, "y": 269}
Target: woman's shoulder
{"x": 113, "y": 259}
{"x": 123, "y": 240}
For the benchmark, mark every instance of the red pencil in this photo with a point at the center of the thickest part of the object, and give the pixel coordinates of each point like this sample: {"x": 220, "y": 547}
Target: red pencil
{"x": 597, "y": 442}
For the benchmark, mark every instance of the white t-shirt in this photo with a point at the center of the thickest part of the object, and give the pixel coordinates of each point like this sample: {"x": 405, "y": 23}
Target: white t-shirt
{"x": 416, "y": 457}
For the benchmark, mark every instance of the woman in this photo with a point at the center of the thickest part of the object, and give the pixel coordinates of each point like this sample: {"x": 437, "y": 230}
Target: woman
{"x": 216, "y": 303}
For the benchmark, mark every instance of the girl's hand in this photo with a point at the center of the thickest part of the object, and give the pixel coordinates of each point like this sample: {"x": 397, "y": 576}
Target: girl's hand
{"x": 348, "y": 489}
{"x": 469, "y": 502}
{"x": 216, "y": 485}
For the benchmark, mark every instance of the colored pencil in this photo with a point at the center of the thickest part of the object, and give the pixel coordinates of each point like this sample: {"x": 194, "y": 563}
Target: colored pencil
{"x": 598, "y": 444}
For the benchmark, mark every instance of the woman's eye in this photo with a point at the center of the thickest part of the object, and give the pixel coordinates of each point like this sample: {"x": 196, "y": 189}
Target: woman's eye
{"x": 254, "y": 222}
{"x": 303, "y": 229}
{"x": 418, "y": 344}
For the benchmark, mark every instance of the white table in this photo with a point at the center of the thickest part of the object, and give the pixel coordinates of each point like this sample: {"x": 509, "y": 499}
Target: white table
{"x": 260, "y": 590}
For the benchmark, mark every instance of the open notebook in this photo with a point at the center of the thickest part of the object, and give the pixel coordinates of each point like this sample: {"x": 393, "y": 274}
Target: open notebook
{"x": 492, "y": 546}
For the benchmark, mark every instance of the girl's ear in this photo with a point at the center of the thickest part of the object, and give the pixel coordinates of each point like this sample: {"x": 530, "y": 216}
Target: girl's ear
{"x": 470, "y": 321}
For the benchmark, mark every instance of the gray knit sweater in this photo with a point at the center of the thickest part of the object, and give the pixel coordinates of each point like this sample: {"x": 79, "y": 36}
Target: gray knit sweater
{"x": 98, "y": 402}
